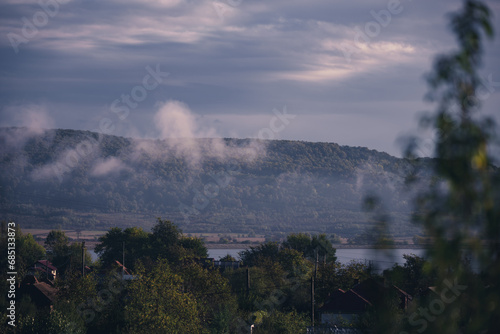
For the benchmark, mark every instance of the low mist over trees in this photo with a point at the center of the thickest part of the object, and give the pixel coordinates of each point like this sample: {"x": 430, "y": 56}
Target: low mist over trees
{"x": 263, "y": 187}
{"x": 169, "y": 285}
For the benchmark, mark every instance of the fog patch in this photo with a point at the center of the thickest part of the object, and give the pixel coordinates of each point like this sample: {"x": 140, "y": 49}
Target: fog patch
{"x": 107, "y": 166}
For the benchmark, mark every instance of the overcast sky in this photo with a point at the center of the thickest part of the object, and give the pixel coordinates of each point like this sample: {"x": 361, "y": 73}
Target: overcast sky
{"x": 350, "y": 73}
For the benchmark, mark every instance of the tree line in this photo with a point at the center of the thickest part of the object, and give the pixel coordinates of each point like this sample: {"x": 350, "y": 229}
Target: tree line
{"x": 176, "y": 289}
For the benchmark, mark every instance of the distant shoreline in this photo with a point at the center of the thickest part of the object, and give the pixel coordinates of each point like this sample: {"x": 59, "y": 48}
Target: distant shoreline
{"x": 336, "y": 246}
{"x": 91, "y": 239}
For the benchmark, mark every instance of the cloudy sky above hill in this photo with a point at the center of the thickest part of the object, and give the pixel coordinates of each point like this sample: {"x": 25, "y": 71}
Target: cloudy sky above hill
{"x": 352, "y": 72}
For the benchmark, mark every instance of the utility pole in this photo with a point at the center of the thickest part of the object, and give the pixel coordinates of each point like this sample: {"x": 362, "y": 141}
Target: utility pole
{"x": 312, "y": 301}
{"x": 316, "y": 266}
{"x": 248, "y": 282}
{"x": 123, "y": 259}
{"x": 313, "y": 279}
{"x": 83, "y": 258}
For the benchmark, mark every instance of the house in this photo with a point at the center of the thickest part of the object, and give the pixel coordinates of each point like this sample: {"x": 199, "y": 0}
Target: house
{"x": 125, "y": 274}
{"x": 43, "y": 268}
{"x": 375, "y": 290}
{"x": 344, "y": 306}
{"x": 41, "y": 293}
{"x": 122, "y": 268}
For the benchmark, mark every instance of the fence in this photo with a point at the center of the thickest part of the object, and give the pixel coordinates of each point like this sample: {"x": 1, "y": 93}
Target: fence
{"x": 332, "y": 330}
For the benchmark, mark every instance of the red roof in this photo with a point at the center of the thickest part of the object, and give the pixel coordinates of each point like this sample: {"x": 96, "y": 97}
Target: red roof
{"x": 41, "y": 293}
{"x": 360, "y": 296}
{"x": 345, "y": 302}
{"x": 375, "y": 290}
{"x": 45, "y": 263}
{"x": 122, "y": 266}
{"x": 48, "y": 291}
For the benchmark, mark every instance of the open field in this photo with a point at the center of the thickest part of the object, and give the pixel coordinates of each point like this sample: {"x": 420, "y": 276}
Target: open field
{"x": 73, "y": 235}
{"x": 230, "y": 237}
{"x": 91, "y": 237}
{"x": 213, "y": 240}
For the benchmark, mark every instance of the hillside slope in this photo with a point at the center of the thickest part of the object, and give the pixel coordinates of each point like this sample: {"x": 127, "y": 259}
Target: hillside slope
{"x": 85, "y": 180}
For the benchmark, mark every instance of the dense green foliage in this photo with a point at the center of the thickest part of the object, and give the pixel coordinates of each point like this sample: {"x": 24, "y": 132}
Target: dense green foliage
{"x": 173, "y": 293}
{"x": 164, "y": 242}
{"x": 456, "y": 290}
{"x": 27, "y": 250}
{"x": 63, "y": 255}
{"x": 459, "y": 209}
{"x": 158, "y": 304}
{"x": 265, "y": 187}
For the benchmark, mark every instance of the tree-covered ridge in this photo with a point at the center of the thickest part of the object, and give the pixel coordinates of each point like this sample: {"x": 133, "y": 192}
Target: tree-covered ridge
{"x": 74, "y": 179}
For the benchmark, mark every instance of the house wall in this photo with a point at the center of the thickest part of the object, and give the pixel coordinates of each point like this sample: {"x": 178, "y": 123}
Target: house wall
{"x": 52, "y": 272}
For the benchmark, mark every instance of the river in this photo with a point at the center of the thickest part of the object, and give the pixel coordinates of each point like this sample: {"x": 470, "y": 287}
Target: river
{"x": 381, "y": 260}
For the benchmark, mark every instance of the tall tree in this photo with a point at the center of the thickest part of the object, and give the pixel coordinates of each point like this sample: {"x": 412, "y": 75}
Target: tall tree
{"x": 460, "y": 211}
{"x": 258, "y": 254}
{"x": 27, "y": 249}
{"x": 133, "y": 241}
{"x": 58, "y": 252}
{"x": 212, "y": 293}
{"x": 317, "y": 246}
{"x": 165, "y": 240}
{"x": 65, "y": 256}
{"x": 157, "y": 303}
{"x": 57, "y": 242}
{"x": 193, "y": 248}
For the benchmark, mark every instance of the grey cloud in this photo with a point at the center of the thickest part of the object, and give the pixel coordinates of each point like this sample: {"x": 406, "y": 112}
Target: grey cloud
{"x": 262, "y": 55}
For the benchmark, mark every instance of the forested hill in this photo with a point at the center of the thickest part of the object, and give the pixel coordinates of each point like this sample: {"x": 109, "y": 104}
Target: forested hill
{"x": 86, "y": 180}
